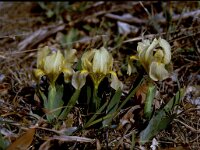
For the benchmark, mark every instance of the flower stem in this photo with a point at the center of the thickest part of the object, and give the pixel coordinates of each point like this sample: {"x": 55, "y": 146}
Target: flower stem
{"x": 50, "y": 103}
{"x": 95, "y": 101}
{"x": 70, "y": 104}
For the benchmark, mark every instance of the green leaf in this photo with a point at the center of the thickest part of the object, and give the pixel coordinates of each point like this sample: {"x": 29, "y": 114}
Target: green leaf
{"x": 58, "y": 102}
{"x": 133, "y": 141}
{"x": 95, "y": 103}
{"x": 69, "y": 38}
{"x": 50, "y": 13}
{"x": 100, "y": 119}
{"x": 131, "y": 93}
{"x": 161, "y": 120}
{"x": 91, "y": 121}
{"x": 112, "y": 107}
{"x": 54, "y": 101}
{"x": 70, "y": 104}
{"x": 44, "y": 98}
{"x": 43, "y": 6}
{"x": 3, "y": 143}
{"x": 78, "y": 66}
{"x": 149, "y": 101}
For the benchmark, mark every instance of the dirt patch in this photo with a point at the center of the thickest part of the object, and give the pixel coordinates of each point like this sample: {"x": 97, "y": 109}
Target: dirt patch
{"x": 86, "y": 25}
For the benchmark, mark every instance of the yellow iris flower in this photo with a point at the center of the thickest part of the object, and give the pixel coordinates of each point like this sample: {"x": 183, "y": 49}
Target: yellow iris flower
{"x": 98, "y": 64}
{"x": 52, "y": 64}
{"x": 154, "y": 57}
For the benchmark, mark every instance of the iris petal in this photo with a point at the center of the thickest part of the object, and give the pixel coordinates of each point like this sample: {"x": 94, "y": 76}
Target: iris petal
{"x": 70, "y": 56}
{"x": 167, "y": 50}
{"x": 154, "y": 64}
{"x": 68, "y": 72}
{"x": 98, "y": 64}
{"x": 157, "y": 71}
{"x": 159, "y": 56}
{"x": 149, "y": 51}
{"x": 115, "y": 82}
{"x": 102, "y": 61}
{"x": 79, "y": 79}
{"x": 38, "y": 73}
{"x": 42, "y": 53}
{"x": 53, "y": 64}
{"x": 86, "y": 60}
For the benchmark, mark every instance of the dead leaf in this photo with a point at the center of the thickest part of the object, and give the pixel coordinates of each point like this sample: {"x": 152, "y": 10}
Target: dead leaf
{"x": 142, "y": 91}
{"x": 73, "y": 139}
{"x": 175, "y": 148}
{"x": 98, "y": 145}
{"x": 4, "y": 87}
{"x": 154, "y": 144}
{"x": 2, "y": 77}
{"x": 125, "y": 28}
{"x": 128, "y": 117}
{"x": 23, "y": 142}
{"x": 46, "y": 145}
{"x": 39, "y": 35}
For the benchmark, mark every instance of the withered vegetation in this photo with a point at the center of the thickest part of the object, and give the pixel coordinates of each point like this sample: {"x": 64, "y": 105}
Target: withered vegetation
{"x": 27, "y": 26}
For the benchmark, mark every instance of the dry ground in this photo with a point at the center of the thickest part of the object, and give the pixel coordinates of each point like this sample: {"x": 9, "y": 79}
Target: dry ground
{"x": 26, "y": 26}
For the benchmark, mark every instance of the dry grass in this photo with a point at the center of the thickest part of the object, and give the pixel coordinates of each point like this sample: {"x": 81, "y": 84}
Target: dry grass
{"x": 19, "y": 104}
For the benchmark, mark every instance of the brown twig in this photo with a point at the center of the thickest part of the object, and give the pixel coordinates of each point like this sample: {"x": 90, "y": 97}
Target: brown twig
{"x": 163, "y": 20}
{"x": 182, "y": 16}
{"x": 184, "y": 33}
{"x": 187, "y": 126}
{"x": 39, "y": 35}
{"x": 126, "y": 19}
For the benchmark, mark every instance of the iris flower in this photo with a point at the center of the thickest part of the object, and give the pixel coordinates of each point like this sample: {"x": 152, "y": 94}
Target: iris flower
{"x": 52, "y": 64}
{"x": 154, "y": 57}
{"x": 97, "y": 64}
